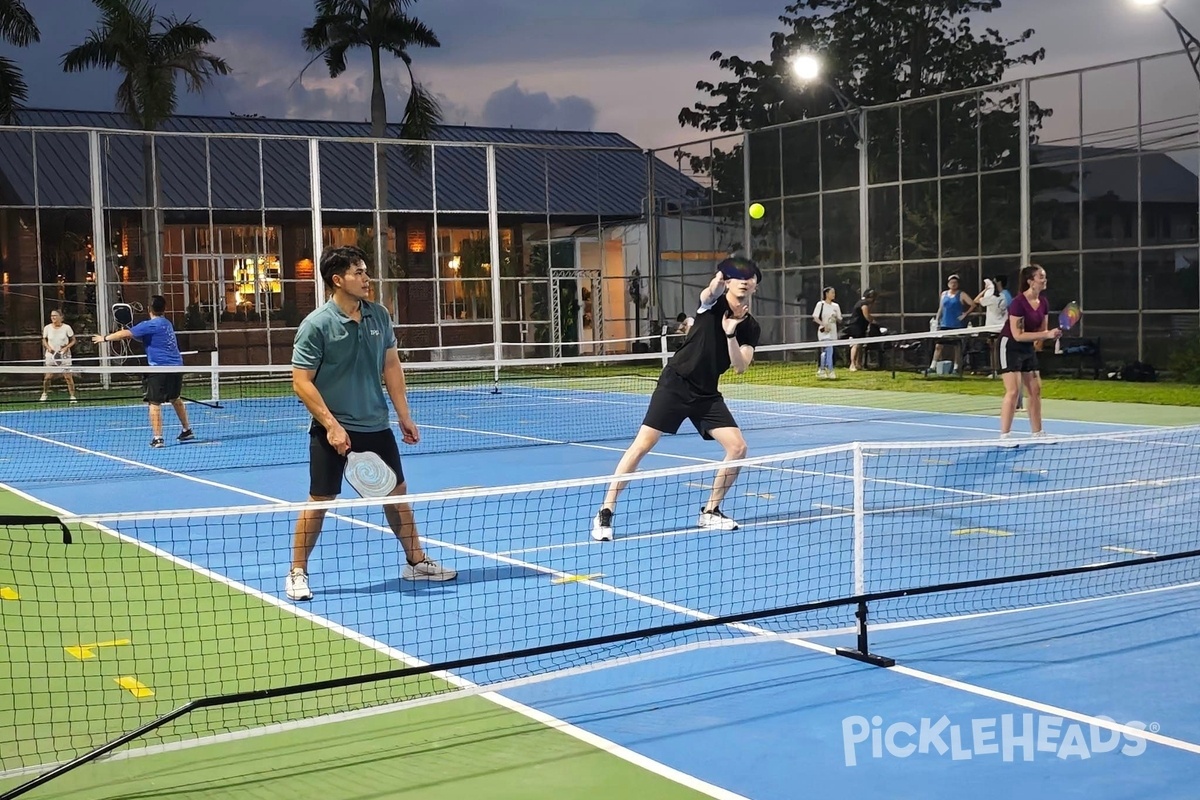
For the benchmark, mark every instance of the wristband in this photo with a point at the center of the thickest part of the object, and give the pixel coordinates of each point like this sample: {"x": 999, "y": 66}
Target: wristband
{"x": 731, "y": 335}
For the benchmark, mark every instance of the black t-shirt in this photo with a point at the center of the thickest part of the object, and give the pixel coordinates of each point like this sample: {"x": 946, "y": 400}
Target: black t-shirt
{"x": 704, "y": 357}
{"x": 857, "y": 324}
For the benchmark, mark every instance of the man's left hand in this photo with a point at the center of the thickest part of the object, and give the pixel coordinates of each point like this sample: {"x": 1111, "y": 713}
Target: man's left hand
{"x": 730, "y": 322}
{"x": 408, "y": 428}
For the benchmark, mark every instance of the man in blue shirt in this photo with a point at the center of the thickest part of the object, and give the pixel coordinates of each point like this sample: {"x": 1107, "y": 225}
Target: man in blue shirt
{"x": 157, "y": 335}
{"x": 343, "y": 357}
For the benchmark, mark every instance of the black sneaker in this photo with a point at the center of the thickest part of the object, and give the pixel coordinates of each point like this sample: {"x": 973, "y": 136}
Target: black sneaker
{"x": 158, "y": 442}
{"x": 602, "y": 525}
{"x": 186, "y": 436}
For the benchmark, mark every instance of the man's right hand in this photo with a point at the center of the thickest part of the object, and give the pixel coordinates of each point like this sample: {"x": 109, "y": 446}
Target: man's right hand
{"x": 339, "y": 440}
{"x": 716, "y": 286}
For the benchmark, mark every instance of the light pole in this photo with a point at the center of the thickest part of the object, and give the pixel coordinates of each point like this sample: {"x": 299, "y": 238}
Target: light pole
{"x": 807, "y": 68}
{"x": 1191, "y": 44}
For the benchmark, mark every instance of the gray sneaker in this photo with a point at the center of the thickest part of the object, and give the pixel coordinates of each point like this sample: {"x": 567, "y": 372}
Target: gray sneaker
{"x": 427, "y": 570}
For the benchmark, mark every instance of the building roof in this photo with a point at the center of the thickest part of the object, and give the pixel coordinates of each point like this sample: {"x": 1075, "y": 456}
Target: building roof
{"x": 569, "y": 173}
{"x": 1112, "y": 174}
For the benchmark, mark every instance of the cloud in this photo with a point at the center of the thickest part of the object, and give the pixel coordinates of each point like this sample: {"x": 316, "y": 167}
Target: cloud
{"x": 454, "y": 113}
{"x": 512, "y": 106}
{"x": 264, "y": 82}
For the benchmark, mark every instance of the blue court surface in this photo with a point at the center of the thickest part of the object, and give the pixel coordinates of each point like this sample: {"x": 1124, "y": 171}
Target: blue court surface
{"x": 1049, "y": 689}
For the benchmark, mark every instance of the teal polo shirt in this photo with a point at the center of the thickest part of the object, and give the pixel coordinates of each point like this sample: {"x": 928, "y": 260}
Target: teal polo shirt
{"x": 348, "y": 359}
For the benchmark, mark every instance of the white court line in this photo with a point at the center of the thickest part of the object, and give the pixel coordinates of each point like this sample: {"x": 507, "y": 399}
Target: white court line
{"x": 841, "y": 512}
{"x": 703, "y": 460}
{"x": 639, "y": 537}
{"x": 919, "y": 623}
{"x": 806, "y": 408}
{"x": 1129, "y": 551}
{"x": 640, "y": 658}
{"x": 539, "y": 716}
{"x": 914, "y": 508}
{"x": 684, "y": 611}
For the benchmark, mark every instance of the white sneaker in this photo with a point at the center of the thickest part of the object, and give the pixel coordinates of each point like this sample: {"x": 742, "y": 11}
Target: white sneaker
{"x": 1006, "y": 440}
{"x": 43, "y": 398}
{"x": 602, "y": 527}
{"x": 427, "y": 570}
{"x": 1038, "y": 435}
{"x": 831, "y": 375}
{"x": 295, "y": 585}
{"x": 716, "y": 520}
{"x": 73, "y": 400}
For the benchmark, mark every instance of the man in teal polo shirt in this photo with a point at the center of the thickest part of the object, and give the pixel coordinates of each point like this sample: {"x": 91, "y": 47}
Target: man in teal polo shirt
{"x": 342, "y": 353}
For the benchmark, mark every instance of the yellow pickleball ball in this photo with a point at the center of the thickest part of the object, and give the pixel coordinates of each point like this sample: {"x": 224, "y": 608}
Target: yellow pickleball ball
{"x": 757, "y": 210}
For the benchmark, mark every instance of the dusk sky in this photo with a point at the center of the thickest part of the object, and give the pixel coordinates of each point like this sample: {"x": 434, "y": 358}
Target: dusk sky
{"x": 623, "y": 65}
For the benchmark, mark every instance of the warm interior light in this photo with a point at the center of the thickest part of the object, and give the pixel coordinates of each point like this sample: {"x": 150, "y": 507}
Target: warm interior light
{"x": 416, "y": 240}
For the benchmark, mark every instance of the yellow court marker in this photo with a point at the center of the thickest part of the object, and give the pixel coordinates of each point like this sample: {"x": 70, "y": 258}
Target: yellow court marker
{"x": 577, "y": 578}
{"x": 985, "y": 531}
{"x": 134, "y": 687}
{"x": 86, "y": 651}
{"x": 9, "y": 593}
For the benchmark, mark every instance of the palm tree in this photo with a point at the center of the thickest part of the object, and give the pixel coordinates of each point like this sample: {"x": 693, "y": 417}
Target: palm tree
{"x": 379, "y": 26}
{"x": 17, "y": 28}
{"x": 151, "y": 52}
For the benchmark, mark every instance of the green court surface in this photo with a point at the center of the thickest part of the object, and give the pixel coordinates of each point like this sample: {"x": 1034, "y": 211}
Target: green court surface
{"x": 102, "y": 636}
{"x": 457, "y": 749}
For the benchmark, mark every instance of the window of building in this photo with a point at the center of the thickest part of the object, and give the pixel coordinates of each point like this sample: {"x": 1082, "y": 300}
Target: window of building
{"x": 1060, "y": 228}
{"x": 224, "y": 269}
{"x": 465, "y": 272}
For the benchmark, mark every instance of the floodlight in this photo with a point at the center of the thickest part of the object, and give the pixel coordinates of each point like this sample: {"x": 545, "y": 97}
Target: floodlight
{"x": 806, "y": 66}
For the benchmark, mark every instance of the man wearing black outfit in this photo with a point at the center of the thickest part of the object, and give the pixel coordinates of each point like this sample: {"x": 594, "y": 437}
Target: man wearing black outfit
{"x": 724, "y": 335}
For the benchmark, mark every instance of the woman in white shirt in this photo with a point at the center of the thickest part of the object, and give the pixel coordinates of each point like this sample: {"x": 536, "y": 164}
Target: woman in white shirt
{"x": 827, "y": 314}
{"x": 995, "y": 299}
{"x": 57, "y": 341}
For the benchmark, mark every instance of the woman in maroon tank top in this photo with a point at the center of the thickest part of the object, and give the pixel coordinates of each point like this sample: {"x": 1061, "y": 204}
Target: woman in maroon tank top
{"x": 1028, "y": 323}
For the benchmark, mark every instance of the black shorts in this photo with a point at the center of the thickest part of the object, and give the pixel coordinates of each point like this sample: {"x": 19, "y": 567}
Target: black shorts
{"x": 674, "y": 400}
{"x": 162, "y": 387}
{"x": 1017, "y": 356}
{"x": 325, "y": 466}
